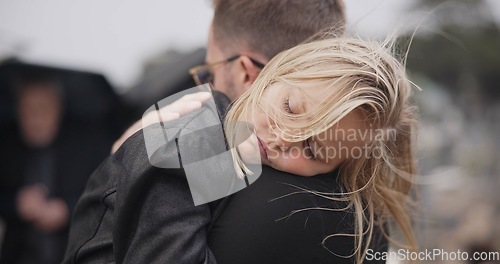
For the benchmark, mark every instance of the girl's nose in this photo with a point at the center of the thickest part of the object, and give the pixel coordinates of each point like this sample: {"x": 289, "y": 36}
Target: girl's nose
{"x": 282, "y": 144}
{"x": 279, "y": 141}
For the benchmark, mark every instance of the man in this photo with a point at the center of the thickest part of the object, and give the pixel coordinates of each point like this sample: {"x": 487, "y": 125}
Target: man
{"x": 155, "y": 221}
{"x": 256, "y": 30}
{"x": 259, "y": 30}
{"x": 41, "y": 209}
{"x": 44, "y": 165}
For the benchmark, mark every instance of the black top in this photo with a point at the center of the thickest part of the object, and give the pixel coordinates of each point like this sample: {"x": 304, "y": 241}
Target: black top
{"x": 278, "y": 220}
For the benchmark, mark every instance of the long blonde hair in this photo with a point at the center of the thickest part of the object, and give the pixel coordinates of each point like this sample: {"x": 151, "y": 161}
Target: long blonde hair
{"x": 358, "y": 75}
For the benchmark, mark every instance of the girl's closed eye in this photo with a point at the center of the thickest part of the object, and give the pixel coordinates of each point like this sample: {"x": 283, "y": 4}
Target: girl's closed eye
{"x": 286, "y": 106}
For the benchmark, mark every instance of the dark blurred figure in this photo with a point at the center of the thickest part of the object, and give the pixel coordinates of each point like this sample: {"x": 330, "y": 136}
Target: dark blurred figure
{"x": 60, "y": 135}
{"x": 38, "y": 203}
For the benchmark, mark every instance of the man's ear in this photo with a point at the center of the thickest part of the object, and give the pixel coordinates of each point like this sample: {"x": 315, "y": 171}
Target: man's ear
{"x": 250, "y": 71}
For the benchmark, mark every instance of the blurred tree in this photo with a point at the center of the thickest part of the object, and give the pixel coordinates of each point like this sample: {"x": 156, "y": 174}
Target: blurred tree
{"x": 462, "y": 52}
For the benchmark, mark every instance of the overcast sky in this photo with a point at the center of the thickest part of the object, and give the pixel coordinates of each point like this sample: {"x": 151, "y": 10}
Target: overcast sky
{"x": 115, "y": 36}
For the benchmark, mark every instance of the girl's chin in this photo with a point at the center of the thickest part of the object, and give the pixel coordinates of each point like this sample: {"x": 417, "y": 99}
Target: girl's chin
{"x": 249, "y": 150}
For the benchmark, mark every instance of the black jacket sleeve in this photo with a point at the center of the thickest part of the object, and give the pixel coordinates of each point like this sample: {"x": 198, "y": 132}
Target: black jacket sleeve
{"x": 156, "y": 220}
{"x": 133, "y": 212}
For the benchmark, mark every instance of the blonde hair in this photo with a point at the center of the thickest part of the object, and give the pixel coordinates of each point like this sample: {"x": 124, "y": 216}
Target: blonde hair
{"x": 357, "y": 75}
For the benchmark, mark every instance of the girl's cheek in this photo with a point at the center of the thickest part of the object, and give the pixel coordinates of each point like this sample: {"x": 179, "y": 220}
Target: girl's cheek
{"x": 295, "y": 165}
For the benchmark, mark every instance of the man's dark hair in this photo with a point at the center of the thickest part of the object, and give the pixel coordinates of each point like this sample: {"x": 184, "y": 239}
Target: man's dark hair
{"x": 271, "y": 26}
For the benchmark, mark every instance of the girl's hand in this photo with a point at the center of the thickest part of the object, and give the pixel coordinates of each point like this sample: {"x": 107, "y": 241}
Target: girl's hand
{"x": 173, "y": 111}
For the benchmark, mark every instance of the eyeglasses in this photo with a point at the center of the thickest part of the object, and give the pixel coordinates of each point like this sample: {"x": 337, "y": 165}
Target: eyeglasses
{"x": 202, "y": 74}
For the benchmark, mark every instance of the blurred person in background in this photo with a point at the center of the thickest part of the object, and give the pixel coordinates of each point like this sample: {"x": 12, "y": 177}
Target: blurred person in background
{"x": 45, "y": 162}
{"x": 40, "y": 110}
{"x": 34, "y": 231}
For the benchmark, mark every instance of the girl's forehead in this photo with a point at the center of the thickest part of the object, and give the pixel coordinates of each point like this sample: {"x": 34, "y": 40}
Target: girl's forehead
{"x": 306, "y": 88}
{"x": 302, "y": 100}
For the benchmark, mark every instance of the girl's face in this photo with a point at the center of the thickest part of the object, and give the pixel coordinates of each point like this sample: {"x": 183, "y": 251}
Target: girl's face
{"x": 318, "y": 154}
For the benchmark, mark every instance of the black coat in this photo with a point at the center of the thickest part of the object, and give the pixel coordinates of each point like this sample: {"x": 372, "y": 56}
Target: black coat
{"x": 134, "y": 212}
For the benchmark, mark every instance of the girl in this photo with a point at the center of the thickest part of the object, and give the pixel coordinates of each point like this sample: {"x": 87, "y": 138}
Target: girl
{"x": 337, "y": 103}
{"x": 326, "y": 108}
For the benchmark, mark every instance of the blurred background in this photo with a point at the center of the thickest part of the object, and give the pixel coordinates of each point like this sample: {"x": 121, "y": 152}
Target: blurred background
{"x": 455, "y": 59}
{"x": 75, "y": 74}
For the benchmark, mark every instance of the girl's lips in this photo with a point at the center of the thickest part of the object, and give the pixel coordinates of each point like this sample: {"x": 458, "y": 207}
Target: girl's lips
{"x": 262, "y": 149}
